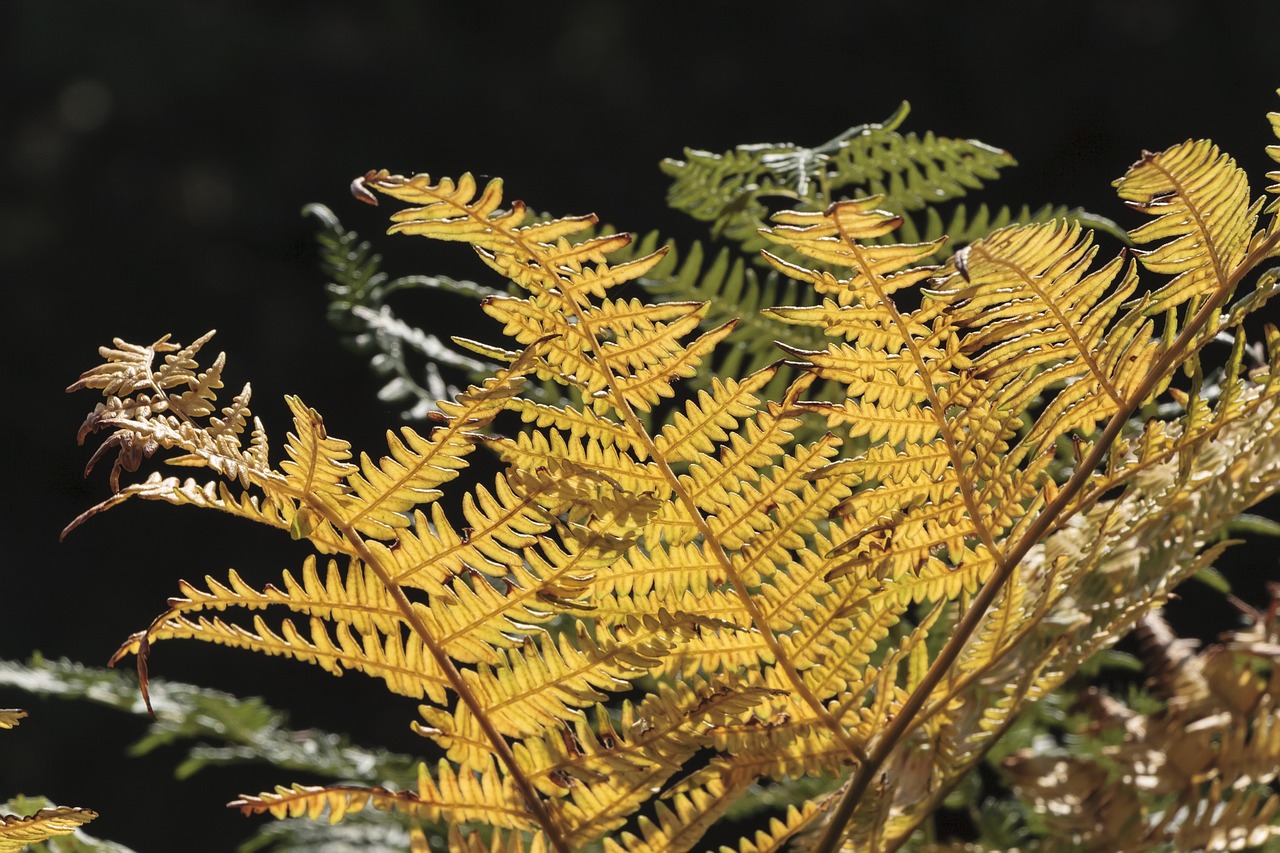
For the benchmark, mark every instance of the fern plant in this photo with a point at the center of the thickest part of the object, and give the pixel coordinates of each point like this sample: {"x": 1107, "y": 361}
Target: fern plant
{"x": 666, "y": 598}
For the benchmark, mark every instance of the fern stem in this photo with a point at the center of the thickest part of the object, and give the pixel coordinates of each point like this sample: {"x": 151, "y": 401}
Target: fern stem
{"x": 717, "y": 549}
{"x": 906, "y": 716}
{"x": 532, "y": 800}
{"x": 633, "y": 421}
{"x": 746, "y": 598}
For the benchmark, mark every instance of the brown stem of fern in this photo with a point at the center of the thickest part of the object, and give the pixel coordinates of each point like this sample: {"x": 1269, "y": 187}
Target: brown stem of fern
{"x": 532, "y": 800}
{"x": 633, "y": 421}
{"x": 744, "y": 594}
{"x": 901, "y": 723}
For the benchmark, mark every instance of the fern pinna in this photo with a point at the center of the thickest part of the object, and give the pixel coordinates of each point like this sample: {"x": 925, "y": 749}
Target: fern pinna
{"x": 872, "y": 607}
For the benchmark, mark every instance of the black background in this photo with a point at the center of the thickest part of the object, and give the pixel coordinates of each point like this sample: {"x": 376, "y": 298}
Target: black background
{"x": 154, "y": 158}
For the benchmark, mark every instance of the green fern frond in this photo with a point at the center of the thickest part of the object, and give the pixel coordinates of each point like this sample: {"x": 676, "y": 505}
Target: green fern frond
{"x": 17, "y": 832}
{"x": 729, "y": 190}
{"x": 359, "y": 307}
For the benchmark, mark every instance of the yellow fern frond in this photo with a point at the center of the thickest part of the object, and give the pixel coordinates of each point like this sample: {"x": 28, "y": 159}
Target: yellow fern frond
{"x": 678, "y": 826}
{"x": 9, "y": 717}
{"x": 876, "y": 603}
{"x": 400, "y": 661}
{"x": 704, "y": 421}
{"x": 473, "y": 842}
{"x": 449, "y": 210}
{"x": 1204, "y": 221}
{"x": 458, "y": 797}
{"x": 780, "y": 833}
{"x": 579, "y": 423}
{"x": 18, "y": 832}
{"x": 317, "y": 464}
{"x": 357, "y": 597}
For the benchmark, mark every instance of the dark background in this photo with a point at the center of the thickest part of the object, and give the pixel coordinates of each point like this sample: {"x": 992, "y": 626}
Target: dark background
{"x": 154, "y": 158}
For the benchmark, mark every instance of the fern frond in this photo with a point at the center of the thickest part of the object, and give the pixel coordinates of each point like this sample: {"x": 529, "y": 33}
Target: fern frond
{"x": 677, "y": 827}
{"x": 781, "y": 832}
{"x": 886, "y": 600}
{"x": 16, "y": 832}
{"x": 455, "y": 797}
{"x": 357, "y": 598}
{"x": 1204, "y": 221}
{"x": 9, "y": 717}
{"x": 1223, "y": 823}
{"x": 551, "y": 681}
{"x": 473, "y": 842}
{"x": 402, "y": 663}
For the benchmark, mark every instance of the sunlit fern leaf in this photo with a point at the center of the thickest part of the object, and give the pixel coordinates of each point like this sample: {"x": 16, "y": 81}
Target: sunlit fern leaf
{"x": 967, "y": 224}
{"x": 18, "y": 831}
{"x": 915, "y": 174}
{"x": 678, "y": 826}
{"x": 495, "y": 842}
{"x": 357, "y": 598}
{"x": 1029, "y": 312}
{"x": 1187, "y": 188}
{"x": 402, "y": 663}
{"x": 136, "y": 388}
{"x": 780, "y": 833}
{"x": 621, "y": 763}
{"x": 9, "y": 717}
{"x": 454, "y": 797}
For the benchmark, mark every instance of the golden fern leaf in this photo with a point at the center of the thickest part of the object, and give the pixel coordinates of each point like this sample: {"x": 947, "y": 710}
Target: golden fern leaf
{"x": 578, "y": 423}
{"x": 18, "y": 832}
{"x": 781, "y": 831}
{"x": 313, "y": 801}
{"x": 9, "y": 717}
{"x": 679, "y": 826}
{"x": 794, "y": 608}
{"x": 130, "y": 368}
{"x": 417, "y": 465}
{"x": 464, "y": 796}
{"x": 357, "y": 597}
{"x": 473, "y": 842}
{"x": 724, "y": 640}
{"x": 1203, "y": 219}
{"x": 552, "y": 679}
{"x": 547, "y": 684}
{"x": 706, "y": 420}
{"x": 403, "y": 663}
{"x": 620, "y": 765}
{"x": 149, "y": 422}
{"x": 531, "y": 451}
{"x": 449, "y": 210}
{"x": 614, "y": 362}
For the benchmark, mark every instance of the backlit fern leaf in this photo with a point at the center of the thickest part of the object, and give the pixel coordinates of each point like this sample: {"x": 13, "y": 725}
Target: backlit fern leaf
{"x": 17, "y": 832}
{"x": 791, "y": 606}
